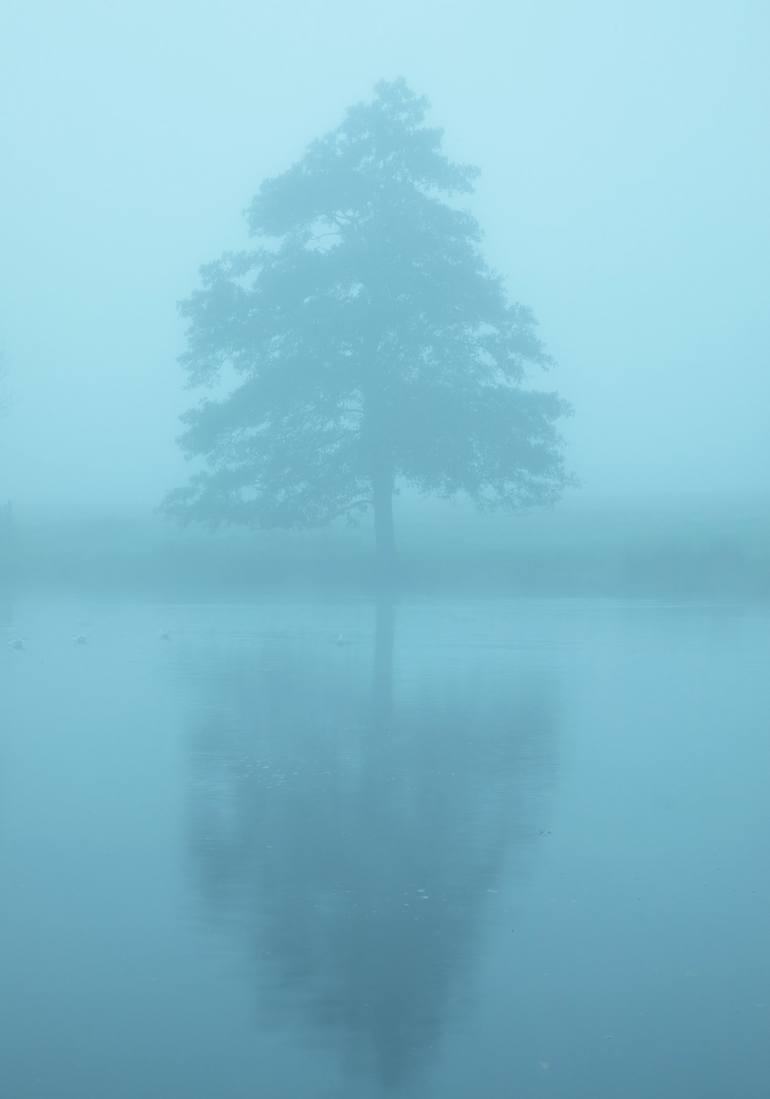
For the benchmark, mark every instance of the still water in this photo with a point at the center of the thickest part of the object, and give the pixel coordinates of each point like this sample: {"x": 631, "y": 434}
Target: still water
{"x": 510, "y": 848}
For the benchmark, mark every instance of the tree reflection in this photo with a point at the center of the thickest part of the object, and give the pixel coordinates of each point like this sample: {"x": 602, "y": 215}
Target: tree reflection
{"x": 352, "y": 820}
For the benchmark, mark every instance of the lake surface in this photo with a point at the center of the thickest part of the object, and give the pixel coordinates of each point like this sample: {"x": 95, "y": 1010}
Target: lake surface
{"x": 514, "y": 848}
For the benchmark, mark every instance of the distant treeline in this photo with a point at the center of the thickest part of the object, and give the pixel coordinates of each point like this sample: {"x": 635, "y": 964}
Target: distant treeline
{"x": 6, "y": 539}
{"x": 649, "y": 552}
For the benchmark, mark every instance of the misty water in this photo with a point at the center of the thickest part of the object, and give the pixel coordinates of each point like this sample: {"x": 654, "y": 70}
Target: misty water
{"x": 493, "y": 847}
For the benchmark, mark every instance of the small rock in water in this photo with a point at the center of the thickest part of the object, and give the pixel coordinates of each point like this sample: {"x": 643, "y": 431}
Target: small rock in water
{"x": 339, "y": 640}
{"x": 80, "y": 639}
{"x": 16, "y": 644}
{"x": 165, "y": 636}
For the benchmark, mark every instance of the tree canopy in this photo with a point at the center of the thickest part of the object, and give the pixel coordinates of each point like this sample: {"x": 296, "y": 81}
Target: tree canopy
{"x": 363, "y": 343}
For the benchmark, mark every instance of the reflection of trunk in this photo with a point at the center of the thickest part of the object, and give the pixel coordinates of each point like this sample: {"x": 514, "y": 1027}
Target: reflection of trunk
{"x": 382, "y": 485}
{"x": 382, "y": 671}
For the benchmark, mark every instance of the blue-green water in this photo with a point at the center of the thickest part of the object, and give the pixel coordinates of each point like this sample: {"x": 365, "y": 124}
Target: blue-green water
{"x": 329, "y": 850}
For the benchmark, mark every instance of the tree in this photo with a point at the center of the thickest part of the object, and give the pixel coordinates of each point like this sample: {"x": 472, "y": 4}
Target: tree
{"x": 370, "y": 344}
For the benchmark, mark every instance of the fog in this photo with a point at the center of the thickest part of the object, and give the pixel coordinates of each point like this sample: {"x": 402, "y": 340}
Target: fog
{"x": 624, "y": 176}
{"x": 384, "y": 549}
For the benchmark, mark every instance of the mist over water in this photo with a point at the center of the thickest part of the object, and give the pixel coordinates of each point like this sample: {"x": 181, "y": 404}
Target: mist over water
{"x": 468, "y": 846}
{"x": 344, "y": 786}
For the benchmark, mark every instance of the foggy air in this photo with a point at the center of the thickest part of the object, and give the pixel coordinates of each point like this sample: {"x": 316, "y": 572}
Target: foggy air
{"x": 384, "y": 550}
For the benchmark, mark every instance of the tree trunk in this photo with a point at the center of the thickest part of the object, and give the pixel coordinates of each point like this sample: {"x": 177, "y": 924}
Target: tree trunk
{"x": 384, "y": 532}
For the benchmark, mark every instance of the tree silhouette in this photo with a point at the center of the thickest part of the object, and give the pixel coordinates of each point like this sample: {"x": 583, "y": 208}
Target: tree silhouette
{"x": 367, "y": 342}
{"x": 353, "y": 828}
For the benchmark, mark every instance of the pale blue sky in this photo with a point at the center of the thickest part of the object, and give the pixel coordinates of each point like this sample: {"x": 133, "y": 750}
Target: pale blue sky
{"x": 624, "y": 192}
